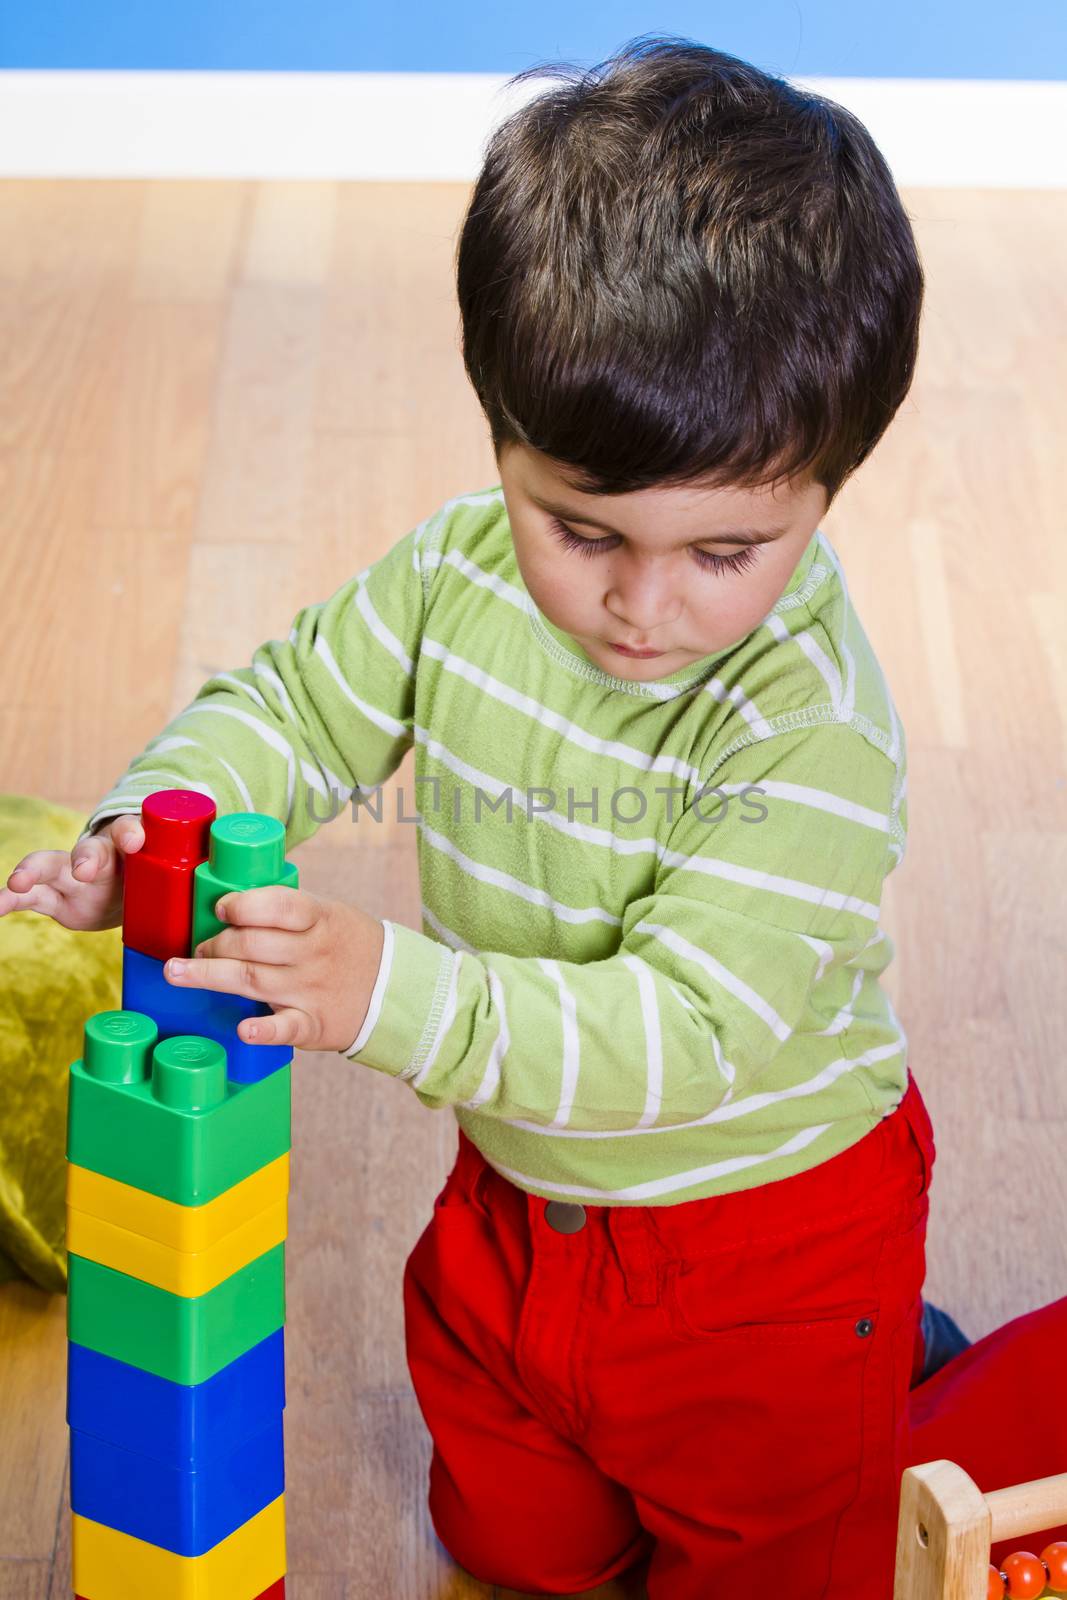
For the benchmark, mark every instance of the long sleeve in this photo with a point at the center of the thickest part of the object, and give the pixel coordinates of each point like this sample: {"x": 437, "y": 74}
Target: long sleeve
{"x": 762, "y": 923}
{"x": 314, "y": 717}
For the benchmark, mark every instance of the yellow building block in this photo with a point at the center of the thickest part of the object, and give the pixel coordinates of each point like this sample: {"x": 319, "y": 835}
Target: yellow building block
{"x": 181, "y": 1227}
{"x": 109, "y": 1565}
{"x": 182, "y": 1272}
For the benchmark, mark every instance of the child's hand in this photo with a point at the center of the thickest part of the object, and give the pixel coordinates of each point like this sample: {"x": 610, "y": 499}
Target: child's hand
{"x": 314, "y": 961}
{"x": 82, "y": 890}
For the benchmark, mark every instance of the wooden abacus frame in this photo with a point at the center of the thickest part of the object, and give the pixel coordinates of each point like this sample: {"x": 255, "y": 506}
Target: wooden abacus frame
{"x": 947, "y": 1525}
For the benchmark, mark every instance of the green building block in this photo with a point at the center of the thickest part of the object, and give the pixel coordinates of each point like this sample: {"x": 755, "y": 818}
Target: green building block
{"x": 164, "y": 1117}
{"x": 246, "y": 851}
{"x": 185, "y": 1339}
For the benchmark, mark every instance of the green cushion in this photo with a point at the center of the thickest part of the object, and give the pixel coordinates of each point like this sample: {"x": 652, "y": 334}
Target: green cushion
{"x": 53, "y": 981}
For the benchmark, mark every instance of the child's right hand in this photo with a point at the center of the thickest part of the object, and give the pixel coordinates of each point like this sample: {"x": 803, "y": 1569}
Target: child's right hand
{"x": 81, "y": 890}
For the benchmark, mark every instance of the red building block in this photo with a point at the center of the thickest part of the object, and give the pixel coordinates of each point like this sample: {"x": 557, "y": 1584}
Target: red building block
{"x": 157, "y": 905}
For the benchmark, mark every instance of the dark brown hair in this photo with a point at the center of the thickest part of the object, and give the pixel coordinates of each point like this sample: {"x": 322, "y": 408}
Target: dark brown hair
{"x": 677, "y": 267}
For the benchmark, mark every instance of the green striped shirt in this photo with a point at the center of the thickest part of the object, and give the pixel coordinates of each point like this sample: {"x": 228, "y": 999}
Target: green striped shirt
{"x": 648, "y": 968}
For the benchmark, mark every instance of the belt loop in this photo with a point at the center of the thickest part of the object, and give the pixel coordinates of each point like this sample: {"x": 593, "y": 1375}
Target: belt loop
{"x": 472, "y": 1170}
{"x": 629, "y": 1231}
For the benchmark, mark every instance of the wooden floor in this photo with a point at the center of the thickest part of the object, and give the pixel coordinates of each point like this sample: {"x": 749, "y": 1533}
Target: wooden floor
{"x": 220, "y": 400}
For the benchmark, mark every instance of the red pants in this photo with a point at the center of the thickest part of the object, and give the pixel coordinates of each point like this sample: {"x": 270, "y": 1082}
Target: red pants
{"x": 721, "y": 1384}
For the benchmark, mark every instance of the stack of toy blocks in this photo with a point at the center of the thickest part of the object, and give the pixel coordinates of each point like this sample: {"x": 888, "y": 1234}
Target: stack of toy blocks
{"x": 178, "y": 1179}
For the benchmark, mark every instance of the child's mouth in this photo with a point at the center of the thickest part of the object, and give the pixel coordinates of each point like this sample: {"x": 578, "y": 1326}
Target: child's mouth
{"x": 639, "y": 654}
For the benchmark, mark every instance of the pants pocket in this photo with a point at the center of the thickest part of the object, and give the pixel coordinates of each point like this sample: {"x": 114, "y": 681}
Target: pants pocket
{"x": 700, "y": 1307}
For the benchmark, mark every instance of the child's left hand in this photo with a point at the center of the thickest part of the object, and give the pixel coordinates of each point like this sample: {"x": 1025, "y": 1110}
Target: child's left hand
{"x": 314, "y": 961}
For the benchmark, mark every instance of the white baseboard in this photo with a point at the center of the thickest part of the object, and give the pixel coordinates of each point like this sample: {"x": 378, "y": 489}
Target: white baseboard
{"x": 431, "y": 126}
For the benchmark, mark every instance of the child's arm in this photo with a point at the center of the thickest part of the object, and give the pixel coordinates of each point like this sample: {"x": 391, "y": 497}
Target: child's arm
{"x": 714, "y": 973}
{"x": 314, "y": 716}
{"x": 329, "y": 708}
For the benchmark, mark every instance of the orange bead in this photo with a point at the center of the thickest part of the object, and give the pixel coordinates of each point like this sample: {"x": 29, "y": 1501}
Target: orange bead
{"x": 1025, "y": 1574}
{"x": 1055, "y": 1558}
{"x": 996, "y": 1589}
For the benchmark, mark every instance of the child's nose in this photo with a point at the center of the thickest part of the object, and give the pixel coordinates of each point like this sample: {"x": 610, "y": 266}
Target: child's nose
{"x": 644, "y": 596}
{"x": 643, "y": 615}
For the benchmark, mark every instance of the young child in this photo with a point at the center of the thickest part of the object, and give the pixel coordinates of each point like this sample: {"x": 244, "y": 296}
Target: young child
{"x": 667, "y": 1308}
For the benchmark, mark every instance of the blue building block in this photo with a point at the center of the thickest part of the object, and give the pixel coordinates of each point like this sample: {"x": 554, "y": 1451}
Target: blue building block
{"x": 205, "y": 1012}
{"x": 184, "y": 1511}
{"x": 182, "y": 1425}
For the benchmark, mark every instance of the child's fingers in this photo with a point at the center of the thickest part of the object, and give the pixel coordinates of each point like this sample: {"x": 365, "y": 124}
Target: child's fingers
{"x": 128, "y": 833}
{"x": 87, "y": 858}
{"x": 282, "y": 1027}
{"x": 37, "y": 896}
{"x": 39, "y": 866}
{"x": 90, "y": 857}
{"x": 31, "y": 884}
{"x": 9, "y": 901}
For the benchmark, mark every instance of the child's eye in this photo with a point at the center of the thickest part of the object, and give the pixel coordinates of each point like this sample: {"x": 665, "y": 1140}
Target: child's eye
{"x": 574, "y": 541}
{"x": 705, "y": 558}
{"x": 735, "y": 563}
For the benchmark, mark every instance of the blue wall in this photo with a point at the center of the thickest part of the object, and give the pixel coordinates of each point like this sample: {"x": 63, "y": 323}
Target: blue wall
{"x": 801, "y": 38}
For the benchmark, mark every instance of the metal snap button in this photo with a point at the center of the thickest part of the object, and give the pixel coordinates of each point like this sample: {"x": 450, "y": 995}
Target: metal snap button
{"x": 565, "y": 1218}
{"x": 864, "y": 1327}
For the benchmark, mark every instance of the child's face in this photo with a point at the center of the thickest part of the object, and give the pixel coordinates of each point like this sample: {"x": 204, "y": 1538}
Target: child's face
{"x": 649, "y": 580}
